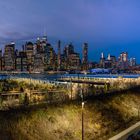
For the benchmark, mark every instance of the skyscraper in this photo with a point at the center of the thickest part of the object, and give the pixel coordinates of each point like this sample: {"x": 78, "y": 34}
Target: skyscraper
{"x": 21, "y": 61}
{"x": 1, "y": 61}
{"x": 85, "y": 56}
{"x": 73, "y": 61}
{"x": 102, "y": 60}
{"x": 59, "y": 55}
{"x": 109, "y": 57}
{"x": 102, "y": 55}
{"x": 38, "y": 63}
{"x": 85, "y": 53}
{"x": 123, "y": 61}
{"x": 69, "y": 49}
{"x": 29, "y": 48}
{"x": 124, "y": 57}
{"x": 39, "y": 54}
{"x": 47, "y": 55}
{"x": 132, "y": 62}
{"x": 52, "y": 59}
{"x": 9, "y": 57}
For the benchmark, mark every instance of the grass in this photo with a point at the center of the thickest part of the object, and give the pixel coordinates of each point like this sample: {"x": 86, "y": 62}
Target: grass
{"x": 104, "y": 116}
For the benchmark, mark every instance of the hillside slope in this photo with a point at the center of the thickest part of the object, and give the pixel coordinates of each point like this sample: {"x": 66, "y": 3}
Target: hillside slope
{"x": 103, "y": 118}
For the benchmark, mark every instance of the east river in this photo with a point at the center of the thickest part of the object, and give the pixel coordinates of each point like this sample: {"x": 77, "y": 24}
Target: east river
{"x": 54, "y": 77}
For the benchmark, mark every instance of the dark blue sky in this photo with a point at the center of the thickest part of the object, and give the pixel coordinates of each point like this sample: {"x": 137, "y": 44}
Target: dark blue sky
{"x": 111, "y": 26}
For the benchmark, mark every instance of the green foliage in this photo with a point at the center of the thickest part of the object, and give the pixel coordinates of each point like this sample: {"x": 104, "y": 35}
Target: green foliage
{"x": 103, "y": 117}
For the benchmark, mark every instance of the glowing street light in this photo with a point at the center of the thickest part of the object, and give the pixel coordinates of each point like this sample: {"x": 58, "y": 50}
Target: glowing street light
{"x": 82, "y": 114}
{"x": 83, "y": 120}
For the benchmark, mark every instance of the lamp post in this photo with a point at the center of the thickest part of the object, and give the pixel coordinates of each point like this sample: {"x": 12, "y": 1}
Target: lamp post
{"x": 83, "y": 120}
{"x": 82, "y": 114}
{"x": 82, "y": 110}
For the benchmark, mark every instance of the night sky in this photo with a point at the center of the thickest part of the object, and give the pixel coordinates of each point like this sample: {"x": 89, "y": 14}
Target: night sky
{"x": 109, "y": 26}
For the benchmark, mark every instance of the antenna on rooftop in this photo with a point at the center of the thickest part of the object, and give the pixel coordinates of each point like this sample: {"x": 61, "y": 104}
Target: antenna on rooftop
{"x": 44, "y": 34}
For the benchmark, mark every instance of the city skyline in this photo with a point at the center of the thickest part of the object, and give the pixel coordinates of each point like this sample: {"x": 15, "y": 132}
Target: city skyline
{"x": 93, "y": 55}
{"x": 40, "y": 56}
{"x": 105, "y": 25}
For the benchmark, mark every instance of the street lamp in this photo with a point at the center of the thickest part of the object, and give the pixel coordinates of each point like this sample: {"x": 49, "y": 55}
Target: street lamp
{"x": 82, "y": 113}
{"x": 82, "y": 97}
{"x": 83, "y": 120}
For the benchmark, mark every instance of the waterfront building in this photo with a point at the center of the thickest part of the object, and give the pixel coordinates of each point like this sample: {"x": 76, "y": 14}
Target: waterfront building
{"x": 102, "y": 60}
{"x": 29, "y": 48}
{"x": 9, "y": 57}
{"x": 39, "y": 46}
{"x": 63, "y": 62}
{"x": 52, "y": 59}
{"x": 38, "y": 63}
{"x": 47, "y": 55}
{"x": 39, "y": 55}
{"x": 2, "y": 64}
{"x": 1, "y": 61}
{"x": 132, "y": 62}
{"x": 124, "y": 57}
{"x": 123, "y": 61}
{"x": 74, "y": 61}
{"x": 93, "y": 65}
{"x": 43, "y": 44}
{"x": 0, "y": 53}
{"x": 107, "y": 64}
{"x": 109, "y": 57}
{"x": 85, "y": 57}
{"x": 113, "y": 61}
{"x": 70, "y": 59}
{"x": 21, "y": 61}
{"x": 110, "y": 62}
{"x": 69, "y": 49}
{"x": 59, "y": 56}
